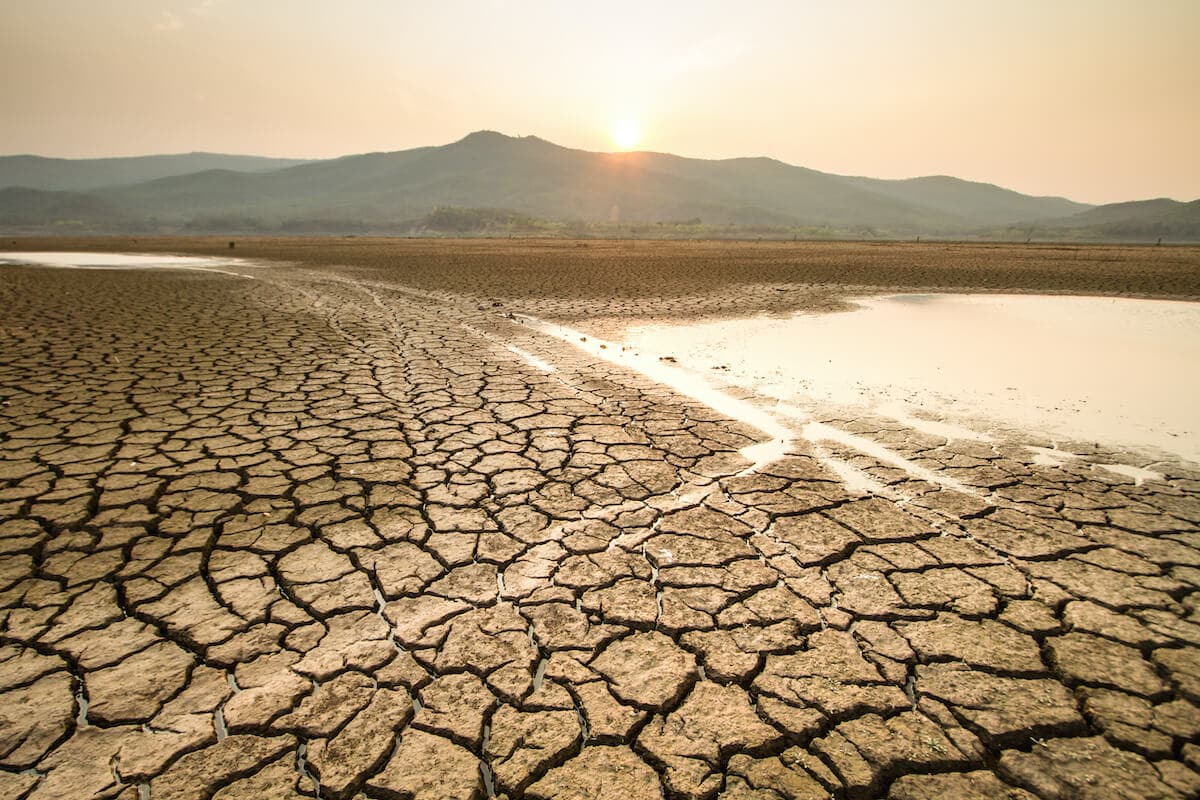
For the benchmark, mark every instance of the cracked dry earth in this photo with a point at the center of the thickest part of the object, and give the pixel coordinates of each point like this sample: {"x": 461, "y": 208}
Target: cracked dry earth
{"x": 297, "y": 536}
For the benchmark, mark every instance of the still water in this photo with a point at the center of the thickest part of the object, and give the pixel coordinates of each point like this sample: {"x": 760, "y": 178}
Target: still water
{"x": 66, "y": 260}
{"x": 1114, "y": 371}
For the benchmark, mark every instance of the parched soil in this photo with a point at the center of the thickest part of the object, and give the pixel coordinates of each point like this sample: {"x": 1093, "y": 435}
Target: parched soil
{"x": 328, "y": 530}
{"x": 594, "y": 278}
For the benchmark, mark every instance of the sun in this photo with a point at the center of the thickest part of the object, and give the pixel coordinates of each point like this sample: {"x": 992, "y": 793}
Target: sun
{"x": 626, "y": 134}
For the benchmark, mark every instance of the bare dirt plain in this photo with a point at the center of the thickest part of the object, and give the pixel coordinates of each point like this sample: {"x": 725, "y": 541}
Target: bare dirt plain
{"x": 319, "y": 526}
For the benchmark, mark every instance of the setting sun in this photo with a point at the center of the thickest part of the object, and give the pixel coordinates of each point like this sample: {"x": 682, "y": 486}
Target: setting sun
{"x": 626, "y": 134}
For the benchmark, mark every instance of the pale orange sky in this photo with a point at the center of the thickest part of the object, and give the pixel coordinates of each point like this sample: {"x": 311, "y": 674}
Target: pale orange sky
{"x": 1097, "y": 100}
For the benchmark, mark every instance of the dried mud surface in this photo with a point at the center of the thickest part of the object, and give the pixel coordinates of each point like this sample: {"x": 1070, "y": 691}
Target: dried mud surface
{"x": 611, "y": 284}
{"x": 321, "y": 532}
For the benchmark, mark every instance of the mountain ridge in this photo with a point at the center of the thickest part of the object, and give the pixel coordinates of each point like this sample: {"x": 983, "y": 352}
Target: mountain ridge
{"x": 530, "y": 178}
{"x": 85, "y": 174}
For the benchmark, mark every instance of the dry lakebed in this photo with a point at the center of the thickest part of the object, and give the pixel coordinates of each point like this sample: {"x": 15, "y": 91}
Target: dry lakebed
{"x": 412, "y": 519}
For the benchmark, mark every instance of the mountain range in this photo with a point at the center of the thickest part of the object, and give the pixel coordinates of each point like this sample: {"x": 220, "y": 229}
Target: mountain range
{"x": 491, "y": 183}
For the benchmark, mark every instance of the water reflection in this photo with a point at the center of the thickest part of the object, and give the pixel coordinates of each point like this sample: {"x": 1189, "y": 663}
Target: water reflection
{"x": 1115, "y": 371}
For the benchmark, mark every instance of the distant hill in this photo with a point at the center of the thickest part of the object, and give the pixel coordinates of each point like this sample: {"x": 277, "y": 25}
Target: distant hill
{"x": 22, "y": 208}
{"x": 1160, "y": 217}
{"x": 533, "y": 177}
{"x": 982, "y": 203}
{"x": 496, "y": 182}
{"x": 1137, "y": 221}
{"x": 82, "y": 174}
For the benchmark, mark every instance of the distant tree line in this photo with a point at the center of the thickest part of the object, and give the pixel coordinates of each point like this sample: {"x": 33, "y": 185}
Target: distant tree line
{"x": 452, "y": 219}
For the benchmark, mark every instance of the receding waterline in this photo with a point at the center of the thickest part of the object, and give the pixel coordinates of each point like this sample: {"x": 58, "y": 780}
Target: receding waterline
{"x": 1114, "y": 371}
{"x": 778, "y": 436}
{"x": 69, "y": 260}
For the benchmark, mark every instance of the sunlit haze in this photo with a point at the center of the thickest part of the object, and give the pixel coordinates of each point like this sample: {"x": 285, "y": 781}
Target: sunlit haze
{"x": 1095, "y": 100}
{"x": 626, "y": 134}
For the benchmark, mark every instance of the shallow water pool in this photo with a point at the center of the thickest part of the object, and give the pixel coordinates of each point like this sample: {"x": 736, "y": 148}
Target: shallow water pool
{"x": 1115, "y": 371}
{"x": 68, "y": 260}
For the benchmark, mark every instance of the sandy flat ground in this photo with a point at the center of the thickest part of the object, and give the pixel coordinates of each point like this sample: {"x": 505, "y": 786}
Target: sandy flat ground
{"x": 346, "y": 527}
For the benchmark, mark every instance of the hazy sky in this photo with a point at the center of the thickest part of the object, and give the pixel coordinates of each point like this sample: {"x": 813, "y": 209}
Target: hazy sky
{"x": 1098, "y": 100}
